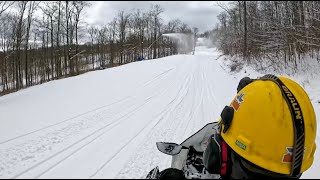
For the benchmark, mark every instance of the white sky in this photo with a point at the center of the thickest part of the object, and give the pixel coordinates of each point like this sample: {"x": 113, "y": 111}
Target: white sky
{"x": 201, "y": 14}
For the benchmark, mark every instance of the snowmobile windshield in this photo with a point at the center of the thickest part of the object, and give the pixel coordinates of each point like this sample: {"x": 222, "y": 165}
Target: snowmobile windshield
{"x": 199, "y": 140}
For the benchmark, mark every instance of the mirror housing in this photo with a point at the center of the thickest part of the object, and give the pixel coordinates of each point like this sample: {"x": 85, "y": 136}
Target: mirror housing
{"x": 169, "y": 148}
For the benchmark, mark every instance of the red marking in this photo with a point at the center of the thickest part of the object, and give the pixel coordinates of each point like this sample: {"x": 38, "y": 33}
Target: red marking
{"x": 224, "y": 158}
{"x": 287, "y": 158}
{"x": 235, "y": 104}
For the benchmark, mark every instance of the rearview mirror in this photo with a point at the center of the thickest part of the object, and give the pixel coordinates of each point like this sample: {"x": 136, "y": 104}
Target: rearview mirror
{"x": 169, "y": 148}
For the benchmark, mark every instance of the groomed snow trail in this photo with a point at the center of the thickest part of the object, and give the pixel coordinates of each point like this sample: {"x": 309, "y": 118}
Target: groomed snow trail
{"x": 166, "y": 99}
{"x": 105, "y": 124}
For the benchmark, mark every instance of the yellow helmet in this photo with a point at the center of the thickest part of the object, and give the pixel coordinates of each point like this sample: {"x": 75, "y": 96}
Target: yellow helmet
{"x": 271, "y": 123}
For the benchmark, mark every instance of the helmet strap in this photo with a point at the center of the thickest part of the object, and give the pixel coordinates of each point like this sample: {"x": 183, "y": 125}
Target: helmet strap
{"x": 298, "y": 124}
{"x": 224, "y": 157}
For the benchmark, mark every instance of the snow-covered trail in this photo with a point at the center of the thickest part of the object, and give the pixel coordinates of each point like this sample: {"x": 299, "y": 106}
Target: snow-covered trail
{"x": 105, "y": 124}
{"x": 140, "y": 103}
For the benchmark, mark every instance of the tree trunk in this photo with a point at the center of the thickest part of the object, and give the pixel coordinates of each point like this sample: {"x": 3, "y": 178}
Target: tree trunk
{"x": 245, "y": 30}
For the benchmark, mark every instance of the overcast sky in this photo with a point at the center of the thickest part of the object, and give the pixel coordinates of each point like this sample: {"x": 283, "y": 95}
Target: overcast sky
{"x": 201, "y": 14}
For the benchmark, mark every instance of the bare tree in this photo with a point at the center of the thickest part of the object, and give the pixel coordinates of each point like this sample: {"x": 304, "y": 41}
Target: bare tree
{"x": 58, "y": 39}
{"x": 22, "y": 5}
{"x": 245, "y": 29}
{"x": 281, "y": 31}
{"x": 122, "y": 27}
{"x": 4, "y": 5}
{"x": 93, "y": 36}
{"x": 32, "y": 7}
{"x": 113, "y": 32}
{"x": 155, "y": 12}
{"x": 195, "y": 32}
{"x": 78, "y": 9}
{"x": 37, "y": 49}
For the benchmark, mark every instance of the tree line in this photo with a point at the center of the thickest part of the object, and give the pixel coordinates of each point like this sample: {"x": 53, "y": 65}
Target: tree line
{"x": 44, "y": 41}
{"x": 284, "y": 31}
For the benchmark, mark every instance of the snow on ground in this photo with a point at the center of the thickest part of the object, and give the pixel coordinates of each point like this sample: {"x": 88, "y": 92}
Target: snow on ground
{"x": 104, "y": 124}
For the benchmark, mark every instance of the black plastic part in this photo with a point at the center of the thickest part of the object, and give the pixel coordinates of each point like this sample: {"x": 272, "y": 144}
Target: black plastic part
{"x": 172, "y": 173}
{"x": 212, "y": 155}
{"x": 243, "y": 83}
{"x": 227, "y": 116}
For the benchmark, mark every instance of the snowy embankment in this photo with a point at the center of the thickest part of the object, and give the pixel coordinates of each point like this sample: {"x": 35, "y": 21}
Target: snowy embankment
{"x": 104, "y": 124}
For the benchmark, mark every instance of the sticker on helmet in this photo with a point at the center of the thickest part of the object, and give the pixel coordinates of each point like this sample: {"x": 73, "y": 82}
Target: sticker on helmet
{"x": 287, "y": 158}
{"x": 237, "y": 101}
{"x": 241, "y": 145}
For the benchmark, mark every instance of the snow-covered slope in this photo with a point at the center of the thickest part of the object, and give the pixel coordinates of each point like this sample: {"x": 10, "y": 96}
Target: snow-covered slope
{"x": 105, "y": 124}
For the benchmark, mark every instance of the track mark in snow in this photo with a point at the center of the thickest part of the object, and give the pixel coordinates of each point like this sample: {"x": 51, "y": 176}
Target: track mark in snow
{"x": 147, "y": 100}
{"x": 110, "y": 125}
{"x": 57, "y": 137}
{"x": 163, "y": 132}
{"x": 159, "y": 76}
{"x": 69, "y": 119}
{"x": 159, "y": 119}
{"x": 167, "y": 106}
